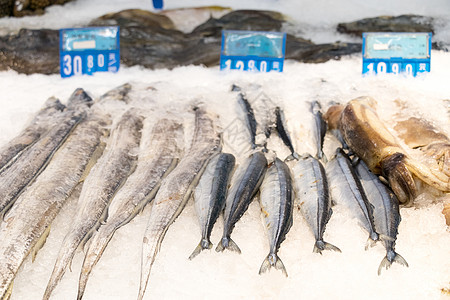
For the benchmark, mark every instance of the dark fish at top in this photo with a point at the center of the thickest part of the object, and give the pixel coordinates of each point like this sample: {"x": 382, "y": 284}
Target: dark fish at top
{"x": 283, "y": 133}
{"x": 320, "y": 128}
{"x": 40, "y": 124}
{"x": 210, "y": 195}
{"x": 276, "y": 202}
{"x": 315, "y": 201}
{"x": 34, "y": 159}
{"x": 244, "y": 186}
{"x": 347, "y": 189}
{"x": 385, "y": 212}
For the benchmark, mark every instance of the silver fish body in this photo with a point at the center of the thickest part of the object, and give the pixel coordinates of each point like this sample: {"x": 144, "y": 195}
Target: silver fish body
{"x": 244, "y": 186}
{"x": 29, "y": 221}
{"x": 276, "y": 202}
{"x": 386, "y": 213}
{"x": 106, "y": 177}
{"x": 249, "y": 118}
{"x": 34, "y": 159}
{"x": 319, "y": 128}
{"x": 40, "y": 124}
{"x": 176, "y": 189}
{"x": 160, "y": 151}
{"x": 210, "y": 195}
{"x": 347, "y": 189}
{"x": 315, "y": 201}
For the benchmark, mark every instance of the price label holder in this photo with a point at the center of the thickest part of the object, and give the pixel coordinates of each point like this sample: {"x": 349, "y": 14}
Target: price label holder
{"x": 257, "y": 51}
{"x": 396, "y": 52}
{"x": 89, "y": 50}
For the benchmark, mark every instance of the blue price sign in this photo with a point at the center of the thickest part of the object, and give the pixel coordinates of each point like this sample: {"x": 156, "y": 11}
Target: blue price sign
{"x": 396, "y": 52}
{"x": 89, "y": 50}
{"x": 257, "y": 51}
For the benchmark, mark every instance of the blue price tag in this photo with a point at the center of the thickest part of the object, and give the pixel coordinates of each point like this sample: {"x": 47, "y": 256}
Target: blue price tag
{"x": 396, "y": 52}
{"x": 257, "y": 51}
{"x": 89, "y": 50}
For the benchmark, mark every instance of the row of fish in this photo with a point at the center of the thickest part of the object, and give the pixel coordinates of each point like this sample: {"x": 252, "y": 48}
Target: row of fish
{"x": 125, "y": 166}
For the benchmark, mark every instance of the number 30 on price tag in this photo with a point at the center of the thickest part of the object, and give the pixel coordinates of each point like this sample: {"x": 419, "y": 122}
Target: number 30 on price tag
{"x": 89, "y": 50}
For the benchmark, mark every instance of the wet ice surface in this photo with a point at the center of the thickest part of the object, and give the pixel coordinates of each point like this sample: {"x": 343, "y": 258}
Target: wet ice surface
{"x": 423, "y": 238}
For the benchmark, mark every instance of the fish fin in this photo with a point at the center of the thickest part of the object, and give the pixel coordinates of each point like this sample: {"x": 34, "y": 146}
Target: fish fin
{"x": 321, "y": 245}
{"x": 227, "y": 243}
{"x": 204, "y": 244}
{"x": 390, "y": 257}
{"x": 386, "y": 238}
{"x": 324, "y": 157}
{"x": 292, "y": 156}
{"x": 372, "y": 240}
{"x": 40, "y": 243}
{"x": 272, "y": 260}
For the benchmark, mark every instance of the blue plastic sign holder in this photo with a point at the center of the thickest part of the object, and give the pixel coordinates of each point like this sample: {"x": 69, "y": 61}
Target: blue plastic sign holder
{"x": 158, "y": 4}
{"x": 396, "y": 52}
{"x": 257, "y": 51}
{"x": 89, "y": 50}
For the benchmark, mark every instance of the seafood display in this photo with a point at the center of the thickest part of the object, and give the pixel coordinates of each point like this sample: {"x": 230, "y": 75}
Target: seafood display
{"x": 176, "y": 189}
{"x": 369, "y": 138}
{"x": 315, "y": 202}
{"x": 276, "y": 201}
{"x": 27, "y": 225}
{"x": 105, "y": 178}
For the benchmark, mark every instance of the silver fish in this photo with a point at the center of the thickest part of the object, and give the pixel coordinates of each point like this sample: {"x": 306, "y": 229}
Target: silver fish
{"x": 161, "y": 148}
{"x": 105, "y": 179}
{"x": 315, "y": 201}
{"x": 28, "y": 223}
{"x": 347, "y": 189}
{"x": 276, "y": 202}
{"x": 386, "y": 213}
{"x": 34, "y": 159}
{"x": 210, "y": 195}
{"x": 319, "y": 128}
{"x": 244, "y": 186}
{"x": 250, "y": 118}
{"x": 176, "y": 189}
{"x": 40, "y": 124}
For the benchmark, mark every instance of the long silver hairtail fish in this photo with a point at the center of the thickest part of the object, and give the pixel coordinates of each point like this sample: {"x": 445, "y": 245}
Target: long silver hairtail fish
{"x": 28, "y": 223}
{"x": 176, "y": 189}
{"x": 161, "y": 149}
{"x": 107, "y": 176}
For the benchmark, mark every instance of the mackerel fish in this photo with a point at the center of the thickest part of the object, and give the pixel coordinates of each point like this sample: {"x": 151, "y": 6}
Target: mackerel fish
{"x": 276, "y": 202}
{"x": 283, "y": 133}
{"x": 210, "y": 195}
{"x": 28, "y": 223}
{"x": 105, "y": 179}
{"x": 347, "y": 189}
{"x": 245, "y": 184}
{"x": 319, "y": 128}
{"x": 160, "y": 151}
{"x": 33, "y": 160}
{"x": 40, "y": 124}
{"x": 176, "y": 189}
{"x": 315, "y": 202}
{"x": 386, "y": 213}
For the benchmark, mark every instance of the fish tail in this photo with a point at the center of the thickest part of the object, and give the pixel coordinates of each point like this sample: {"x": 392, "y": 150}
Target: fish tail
{"x": 272, "y": 260}
{"x": 204, "y": 244}
{"x": 227, "y": 243}
{"x": 391, "y": 256}
{"x": 372, "y": 240}
{"x": 66, "y": 253}
{"x": 93, "y": 254}
{"x": 321, "y": 245}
